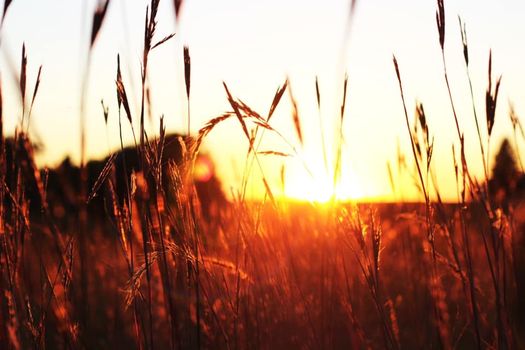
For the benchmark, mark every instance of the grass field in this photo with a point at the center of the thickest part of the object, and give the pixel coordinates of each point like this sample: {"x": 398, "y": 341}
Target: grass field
{"x": 141, "y": 250}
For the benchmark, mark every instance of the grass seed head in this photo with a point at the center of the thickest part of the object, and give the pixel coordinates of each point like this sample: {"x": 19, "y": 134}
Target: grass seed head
{"x": 187, "y": 70}
{"x": 491, "y": 98}
{"x": 295, "y": 116}
{"x": 276, "y": 99}
{"x": 98, "y": 19}
{"x": 37, "y": 85}
{"x": 23, "y": 74}
{"x": 317, "y": 93}
{"x": 177, "y": 6}
{"x": 6, "y": 6}
{"x": 105, "y": 111}
{"x": 122, "y": 97}
{"x": 463, "y": 29}
{"x": 440, "y": 21}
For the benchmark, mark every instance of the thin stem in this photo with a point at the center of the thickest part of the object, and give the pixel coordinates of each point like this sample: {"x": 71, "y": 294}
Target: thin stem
{"x": 410, "y": 134}
{"x": 450, "y": 94}
{"x": 485, "y": 169}
{"x": 189, "y": 114}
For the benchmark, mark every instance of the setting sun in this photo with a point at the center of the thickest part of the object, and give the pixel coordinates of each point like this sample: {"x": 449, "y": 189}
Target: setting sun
{"x": 321, "y": 189}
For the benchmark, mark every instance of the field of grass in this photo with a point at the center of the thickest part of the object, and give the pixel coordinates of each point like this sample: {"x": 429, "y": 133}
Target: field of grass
{"x": 136, "y": 252}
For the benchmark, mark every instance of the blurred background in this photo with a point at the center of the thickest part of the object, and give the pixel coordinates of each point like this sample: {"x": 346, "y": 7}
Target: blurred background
{"x": 254, "y": 47}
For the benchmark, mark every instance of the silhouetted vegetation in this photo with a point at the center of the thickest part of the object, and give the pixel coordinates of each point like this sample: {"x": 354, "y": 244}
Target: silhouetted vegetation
{"x": 507, "y": 181}
{"x": 142, "y": 250}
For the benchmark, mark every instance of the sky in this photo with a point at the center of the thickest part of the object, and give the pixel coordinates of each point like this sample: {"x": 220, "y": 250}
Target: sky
{"x": 254, "y": 46}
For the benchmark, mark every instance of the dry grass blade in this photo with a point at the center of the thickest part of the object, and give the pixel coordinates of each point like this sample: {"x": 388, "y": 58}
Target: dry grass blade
{"x": 339, "y": 149}
{"x": 205, "y": 130}
{"x": 154, "y": 4}
{"x": 463, "y": 29}
{"x": 454, "y": 157}
{"x": 177, "y": 6}
{"x": 120, "y": 220}
{"x": 6, "y": 6}
{"x": 105, "y": 111}
{"x": 23, "y": 75}
{"x": 274, "y": 153}
{"x": 35, "y": 90}
{"x": 417, "y": 145}
{"x": 162, "y": 132}
{"x": 282, "y": 177}
{"x": 227, "y": 266}
{"x": 235, "y": 107}
{"x": 376, "y": 244}
{"x": 400, "y": 158}
{"x": 28, "y": 152}
{"x": 295, "y": 116}
{"x": 422, "y": 119}
{"x": 516, "y": 124}
{"x": 345, "y": 89}
{"x": 265, "y": 125}
{"x": 268, "y": 190}
{"x": 187, "y": 80}
{"x": 414, "y": 151}
{"x": 276, "y": 99}
{"x": 147, "y": 43}
{"x": 514, "y": 119}
{"x": 351, "y": 14}
{"x": 187, "y": 70}
{"x": 98, "y": 19}
{"x": 132, "y": 288}
{"x": 102, "y": 177}
{"x": 248, "y": 110}
{"x": 396, "y": 67}
{"x": 393, "y": 320}
{"x": 440, "y": 21}
{"x": 352, "y": 6}
{"x": 150, "y": 26}
{"x": 163, "y": 40}
{"x": 317, "y": 93}
{"x": 149, "y": 103}
{"x": 391, "y": 177}
{"x": 428, "y": 143}
{"x": 20, "y": 206}
{"x": 491, "y": 98}
{"x": 122, "y": 97}
{"x": 149, "y": 31}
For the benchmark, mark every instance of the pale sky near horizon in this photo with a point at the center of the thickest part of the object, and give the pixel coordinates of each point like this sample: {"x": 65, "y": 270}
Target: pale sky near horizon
{"x": 253, "y": 46}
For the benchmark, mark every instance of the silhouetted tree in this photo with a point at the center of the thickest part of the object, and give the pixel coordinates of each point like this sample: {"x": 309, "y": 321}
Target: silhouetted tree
{"x": 507, "y": 186}
{"x": 62, "y": 184}
{"x": 505, "y": 174}
{"x": 505, "y": 167}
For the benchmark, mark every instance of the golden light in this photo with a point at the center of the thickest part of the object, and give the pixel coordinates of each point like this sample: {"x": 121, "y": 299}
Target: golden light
{"x": 203, "y": 170}
{"x": 321, "y": 188}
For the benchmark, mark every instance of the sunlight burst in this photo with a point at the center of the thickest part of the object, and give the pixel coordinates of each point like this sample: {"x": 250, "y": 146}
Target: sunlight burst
{"x": 321, "y": 189}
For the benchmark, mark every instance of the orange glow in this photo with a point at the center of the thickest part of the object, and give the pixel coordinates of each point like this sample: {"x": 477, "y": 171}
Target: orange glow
{"x": 321, "y": 189}
{"x": 203, "y": 170}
